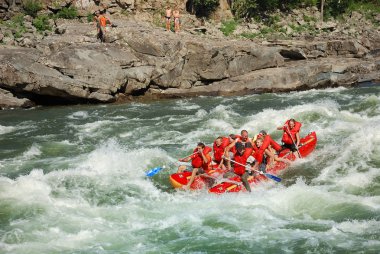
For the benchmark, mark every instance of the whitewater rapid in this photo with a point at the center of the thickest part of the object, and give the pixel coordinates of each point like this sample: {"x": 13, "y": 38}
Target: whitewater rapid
{"x": 72, "y": 179}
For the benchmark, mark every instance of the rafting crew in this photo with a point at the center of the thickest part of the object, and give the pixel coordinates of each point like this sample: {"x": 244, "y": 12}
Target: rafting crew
{"x": 200, "y": 162}
{"x": 242, "y": 156}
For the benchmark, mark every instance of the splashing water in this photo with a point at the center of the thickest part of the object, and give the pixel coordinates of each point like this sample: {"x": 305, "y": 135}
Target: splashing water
{"x": 72, "y": 179}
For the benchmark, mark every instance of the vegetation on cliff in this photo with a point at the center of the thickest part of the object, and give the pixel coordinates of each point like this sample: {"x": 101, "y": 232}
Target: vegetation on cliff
{"x": 244, "y": 9}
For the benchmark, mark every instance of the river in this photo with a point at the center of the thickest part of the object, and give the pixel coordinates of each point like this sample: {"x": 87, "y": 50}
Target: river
{"x": 72, "y": 178}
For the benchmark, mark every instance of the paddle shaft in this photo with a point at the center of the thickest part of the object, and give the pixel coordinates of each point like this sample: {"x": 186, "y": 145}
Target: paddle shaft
{"x": 244, "y": 165}
{"x": 273, "y": 177}
{"x": 294, "y": 143}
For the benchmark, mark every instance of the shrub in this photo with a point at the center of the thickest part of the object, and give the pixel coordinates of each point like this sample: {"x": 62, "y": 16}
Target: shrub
{"x": 31, "y": 7}
{"x": 17, "y": 25}
{"x": 90, "y": 17}
{"x": 17, "y": 20}
{"x": 41, "y": 23}
{"x": 334, "y": 8}
{"x": 68, "y": 13}
{"x": 244, "y": 9}
{"x": 267, "y": 30}
{"x": 250, "y": 35}
{"x": 309, "y": 19}
{"x": 228, "y": 27}
{"x": 203, "y": 8}
{"x": 268, "y": 5}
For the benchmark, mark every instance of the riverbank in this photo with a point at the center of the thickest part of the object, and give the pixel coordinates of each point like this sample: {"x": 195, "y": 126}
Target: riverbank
{"x": 142, "y": 60}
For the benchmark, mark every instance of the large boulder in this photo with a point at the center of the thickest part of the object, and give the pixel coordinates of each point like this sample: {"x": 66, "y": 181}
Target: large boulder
{"x": 8, "y": 100}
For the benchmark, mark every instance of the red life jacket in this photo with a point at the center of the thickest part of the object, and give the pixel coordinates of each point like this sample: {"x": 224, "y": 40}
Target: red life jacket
{"x": 239, "y": 139}
{"x": 286, "y": 138}
{"x": 274, "y": 144}
{"x": 219, "y": 150}
{"x": 242, "y": 159}
{"x": 197, "y": 160}
{"x": 259, "y": 154}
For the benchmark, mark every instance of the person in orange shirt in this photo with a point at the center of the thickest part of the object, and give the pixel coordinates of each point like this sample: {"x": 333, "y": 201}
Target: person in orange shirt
{"x": 101, "y": 23}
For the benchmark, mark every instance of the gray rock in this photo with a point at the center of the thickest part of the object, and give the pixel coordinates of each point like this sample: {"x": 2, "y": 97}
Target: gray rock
{"x": 60, "y": 30}
{"x": 293, "y": 53}
{"x": 8, "y": 100}
{"x": 146, "y": 61}
{"x": 26, "y": 42}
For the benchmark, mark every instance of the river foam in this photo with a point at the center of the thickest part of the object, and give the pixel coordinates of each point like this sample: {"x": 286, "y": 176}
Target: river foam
{"x": 84, "y": 190}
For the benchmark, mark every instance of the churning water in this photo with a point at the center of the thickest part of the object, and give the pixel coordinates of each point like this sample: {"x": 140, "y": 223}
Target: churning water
{"x": 72, "y": 178}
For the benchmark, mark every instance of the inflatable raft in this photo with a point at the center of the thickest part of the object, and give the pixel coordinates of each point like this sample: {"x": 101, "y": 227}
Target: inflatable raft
{"x": 213, "y": 180}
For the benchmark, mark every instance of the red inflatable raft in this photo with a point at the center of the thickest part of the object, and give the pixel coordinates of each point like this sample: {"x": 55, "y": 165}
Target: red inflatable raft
{"x": 215, "y": 182}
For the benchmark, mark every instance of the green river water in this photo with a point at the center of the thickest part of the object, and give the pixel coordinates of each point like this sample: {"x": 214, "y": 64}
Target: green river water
{"x": 72, "y": 178}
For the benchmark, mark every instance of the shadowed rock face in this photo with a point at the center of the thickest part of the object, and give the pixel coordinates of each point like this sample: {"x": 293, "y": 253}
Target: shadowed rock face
{"x": 150, "y": 62}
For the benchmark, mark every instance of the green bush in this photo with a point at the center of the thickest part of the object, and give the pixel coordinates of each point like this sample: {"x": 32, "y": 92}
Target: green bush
{"x": 268, "y": 5}
{"x": 203, "y": 8}
{"x": 267, "y": 30}
{"x": 250, "y": 35}
{"x": 16, "y": 23}
{"x": 309, "y": 19}
{"x": 90, "y": 17}
{"x": 68, "y": 13}
{"x": 244, "y": 9}
{"x": 41, "y": 23}
{"x": 31, "y": 7}
{"x": 334, "y": 8}
{"x": 228, "y": 27}
{"x": 17, "y": 20}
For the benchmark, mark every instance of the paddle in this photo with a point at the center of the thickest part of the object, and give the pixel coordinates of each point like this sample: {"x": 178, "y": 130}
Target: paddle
{"x": 155, "y": 171}
{"x": 273, "y": 177}
{"x": 294, "y": 143}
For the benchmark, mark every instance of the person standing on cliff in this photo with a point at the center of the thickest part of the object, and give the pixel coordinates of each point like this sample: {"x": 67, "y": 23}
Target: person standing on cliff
{"x": 168, "y": 16}
{"x": 101, "y": 23}
{"x": 176, "y": 19}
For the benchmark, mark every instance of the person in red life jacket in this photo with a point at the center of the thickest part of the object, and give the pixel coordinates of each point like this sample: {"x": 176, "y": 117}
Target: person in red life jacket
{"x": 219, "y": 146}
{"x": 241, "y": 156}
{"x": 268, "y": 147}
{"x": 265, "y": 157}
{"x": 291, "y": 136}
{"x": 200, "y": 162}
{"x": 242, "y": 138}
